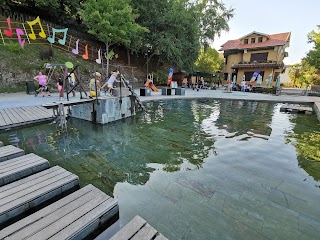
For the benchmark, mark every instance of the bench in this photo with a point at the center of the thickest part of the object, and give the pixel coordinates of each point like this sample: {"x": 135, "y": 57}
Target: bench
{"x": 72, "y": 217}
{"x": 138, "y": 229}
{"x": 21, "y": 167}
{"x": 22, "y": 195}
{"x": 9, "y": 152}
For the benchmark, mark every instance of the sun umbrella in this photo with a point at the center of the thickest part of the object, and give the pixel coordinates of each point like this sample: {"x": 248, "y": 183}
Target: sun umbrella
{"x": 254, "y": 76}
{"x": 259, "y": 79}
{"x": 234, "y": 79}
{"x": 278, "y": 82}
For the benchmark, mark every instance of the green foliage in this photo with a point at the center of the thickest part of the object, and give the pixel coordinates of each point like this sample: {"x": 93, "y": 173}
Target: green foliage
{"x": 209, "y": 61}
{"x": 174, "y": 31}
{"x": 14, "y": 48}
{"x": 303, "y": 74}
{"x": 161, "y": 76}
{"x": 313, "y": 56}
{"x": 214, "y": 17}
{"x": 112, "y": 21}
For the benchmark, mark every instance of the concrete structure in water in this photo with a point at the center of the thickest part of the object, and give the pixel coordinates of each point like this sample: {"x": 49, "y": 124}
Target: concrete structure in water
{"x": 255, "y": 52}
{"x": 105, "y": 109}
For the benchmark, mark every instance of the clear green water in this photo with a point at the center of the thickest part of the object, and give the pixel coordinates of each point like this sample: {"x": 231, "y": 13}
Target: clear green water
{"x": 197, "y": 169}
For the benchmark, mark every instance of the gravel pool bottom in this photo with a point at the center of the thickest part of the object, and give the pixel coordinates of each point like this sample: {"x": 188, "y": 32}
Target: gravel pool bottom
{"x": 197, "y": 169}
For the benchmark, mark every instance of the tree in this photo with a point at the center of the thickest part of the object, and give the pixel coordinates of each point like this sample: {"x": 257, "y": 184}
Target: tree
{"x": 214, "y": 17}
{"x": 209, "y": 61}
{"x": 304, "y": 74}
{"x": 174, "y": 32}
{"x": 313, "y": 56}
{"x": 112, "y": 22}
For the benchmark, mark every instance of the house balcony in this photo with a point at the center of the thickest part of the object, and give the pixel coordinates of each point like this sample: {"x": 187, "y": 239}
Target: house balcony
{"x": 267, "y": 64}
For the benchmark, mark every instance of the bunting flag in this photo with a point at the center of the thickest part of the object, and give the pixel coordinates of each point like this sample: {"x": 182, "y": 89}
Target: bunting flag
{"x": 170, "y": 76}
{"x": 254, "y": 77}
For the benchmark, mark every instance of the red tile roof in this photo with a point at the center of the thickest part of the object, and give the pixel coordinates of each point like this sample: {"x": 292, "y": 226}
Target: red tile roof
{"x": 274, "y": 40}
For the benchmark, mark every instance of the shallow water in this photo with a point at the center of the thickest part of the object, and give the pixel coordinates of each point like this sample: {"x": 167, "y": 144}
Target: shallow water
{"x": 197, "y": 169}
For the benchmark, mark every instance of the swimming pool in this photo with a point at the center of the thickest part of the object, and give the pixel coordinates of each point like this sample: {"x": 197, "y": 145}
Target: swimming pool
{"x": 198, "y": 169}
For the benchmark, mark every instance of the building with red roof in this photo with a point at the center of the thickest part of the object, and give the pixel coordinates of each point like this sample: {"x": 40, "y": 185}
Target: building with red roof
{"x": 255, "y": 52}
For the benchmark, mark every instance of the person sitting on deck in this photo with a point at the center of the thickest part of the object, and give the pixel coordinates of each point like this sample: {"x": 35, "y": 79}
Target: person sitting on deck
{"x": 95, "y": 86}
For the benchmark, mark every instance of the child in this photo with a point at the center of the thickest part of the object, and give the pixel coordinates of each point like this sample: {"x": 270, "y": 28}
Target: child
{"x": 60, "y": 89}
{"x": 72, "y": 83}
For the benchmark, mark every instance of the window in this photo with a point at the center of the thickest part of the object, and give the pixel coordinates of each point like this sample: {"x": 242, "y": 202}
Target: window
{"x": 260, "y": 39}
{"x": 275, "y": 76}
{"x": 259, "y": 57}
{"x": 225, "y": 76}
{"x": 253, "y": 40}
{"x": 246, "y": 41}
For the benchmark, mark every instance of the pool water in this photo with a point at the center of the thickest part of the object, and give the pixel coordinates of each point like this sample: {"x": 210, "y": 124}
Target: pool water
{"x": 198, "y": 169}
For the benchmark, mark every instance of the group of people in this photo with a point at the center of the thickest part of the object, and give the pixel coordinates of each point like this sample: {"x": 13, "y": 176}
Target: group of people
{"x": 94, "y": 84}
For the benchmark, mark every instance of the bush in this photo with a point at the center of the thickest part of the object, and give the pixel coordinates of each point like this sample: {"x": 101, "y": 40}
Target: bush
{"x": 160, "y": 76}
{"x": 14, "y": 48}
{"x": 46, "y": 53}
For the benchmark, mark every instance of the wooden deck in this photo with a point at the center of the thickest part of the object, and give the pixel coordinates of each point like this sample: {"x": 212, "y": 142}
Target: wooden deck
{"x": 27, "y": 193}
{"x": 72, "y": 217}
{"x": 68, "y": 103}
{"x": 22, "y": 116}
{"x": 9, "y": 152}
{"x": 294, "y": 108}
{"x": 138, "y": 229}
{"x": 20, "y": 167}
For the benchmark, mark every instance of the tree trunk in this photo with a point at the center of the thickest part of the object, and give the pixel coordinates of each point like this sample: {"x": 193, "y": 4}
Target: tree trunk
{"x": 107, "y": 49}
{"x": 128, "y": 55}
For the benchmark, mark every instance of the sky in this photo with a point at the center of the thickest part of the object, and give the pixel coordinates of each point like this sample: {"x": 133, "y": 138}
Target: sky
{"x": 274, "y": 16}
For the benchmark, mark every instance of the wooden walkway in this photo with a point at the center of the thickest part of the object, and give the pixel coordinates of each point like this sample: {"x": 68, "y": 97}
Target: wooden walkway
{"x": 25, "y": 186}
{"x": 72, "y": 217}
{"x": 9, "y": 152}
{"x": 294, "y": 108}
{"x": 20, "y": 167}
{"x": 27, "y": 193}
{"x": 22, "y": 116}
{"x": 138, "y": 229}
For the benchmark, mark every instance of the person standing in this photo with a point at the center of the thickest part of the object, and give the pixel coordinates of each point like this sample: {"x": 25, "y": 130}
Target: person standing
{"x": 42, "y": 80}
{"x": 72, "y": 83}
{"x": 110, "y": 82}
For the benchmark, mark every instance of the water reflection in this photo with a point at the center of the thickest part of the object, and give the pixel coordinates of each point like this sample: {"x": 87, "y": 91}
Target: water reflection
{"x": 171, "y": 136}
{"x": 306, "y": 138}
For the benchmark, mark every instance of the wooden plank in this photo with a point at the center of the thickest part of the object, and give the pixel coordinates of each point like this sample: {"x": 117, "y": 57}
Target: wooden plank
{"x": 14, "y": 114}
{"x": 28, "y": 114}
{"x": 21, "y": 167}
{"x": 145, "y": 233}
{"x": 9, "y": 152}
{"x": 47, "y": 211}
{"x": 130, "y": 229}
{"x": 5, "y": 117}
{"x": 138, "y": 229}
{"x": 22, "y": 113}
{"x": 12, "y": 117}
{"x": 31, "y": 178}
{"x": 73, "y": 217}
{"x": 22, "y": 197}
{"x": 161, "y": 237}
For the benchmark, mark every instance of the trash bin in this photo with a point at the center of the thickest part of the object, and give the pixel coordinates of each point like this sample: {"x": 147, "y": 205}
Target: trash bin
{"x": 31, "y": 89}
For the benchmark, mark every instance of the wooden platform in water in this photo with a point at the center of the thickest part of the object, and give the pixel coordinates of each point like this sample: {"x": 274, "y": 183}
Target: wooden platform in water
{"x": 68, "y": 103}
{"x": 9, "y": 152}
{"x": 21, "y": 167}
{"x": 27, "y": 193}
{"x": 293, "y": 108}
{"x": 138, "y": 229}
{"x": 73, "y": 217}
{"x": 22, "y": 116}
